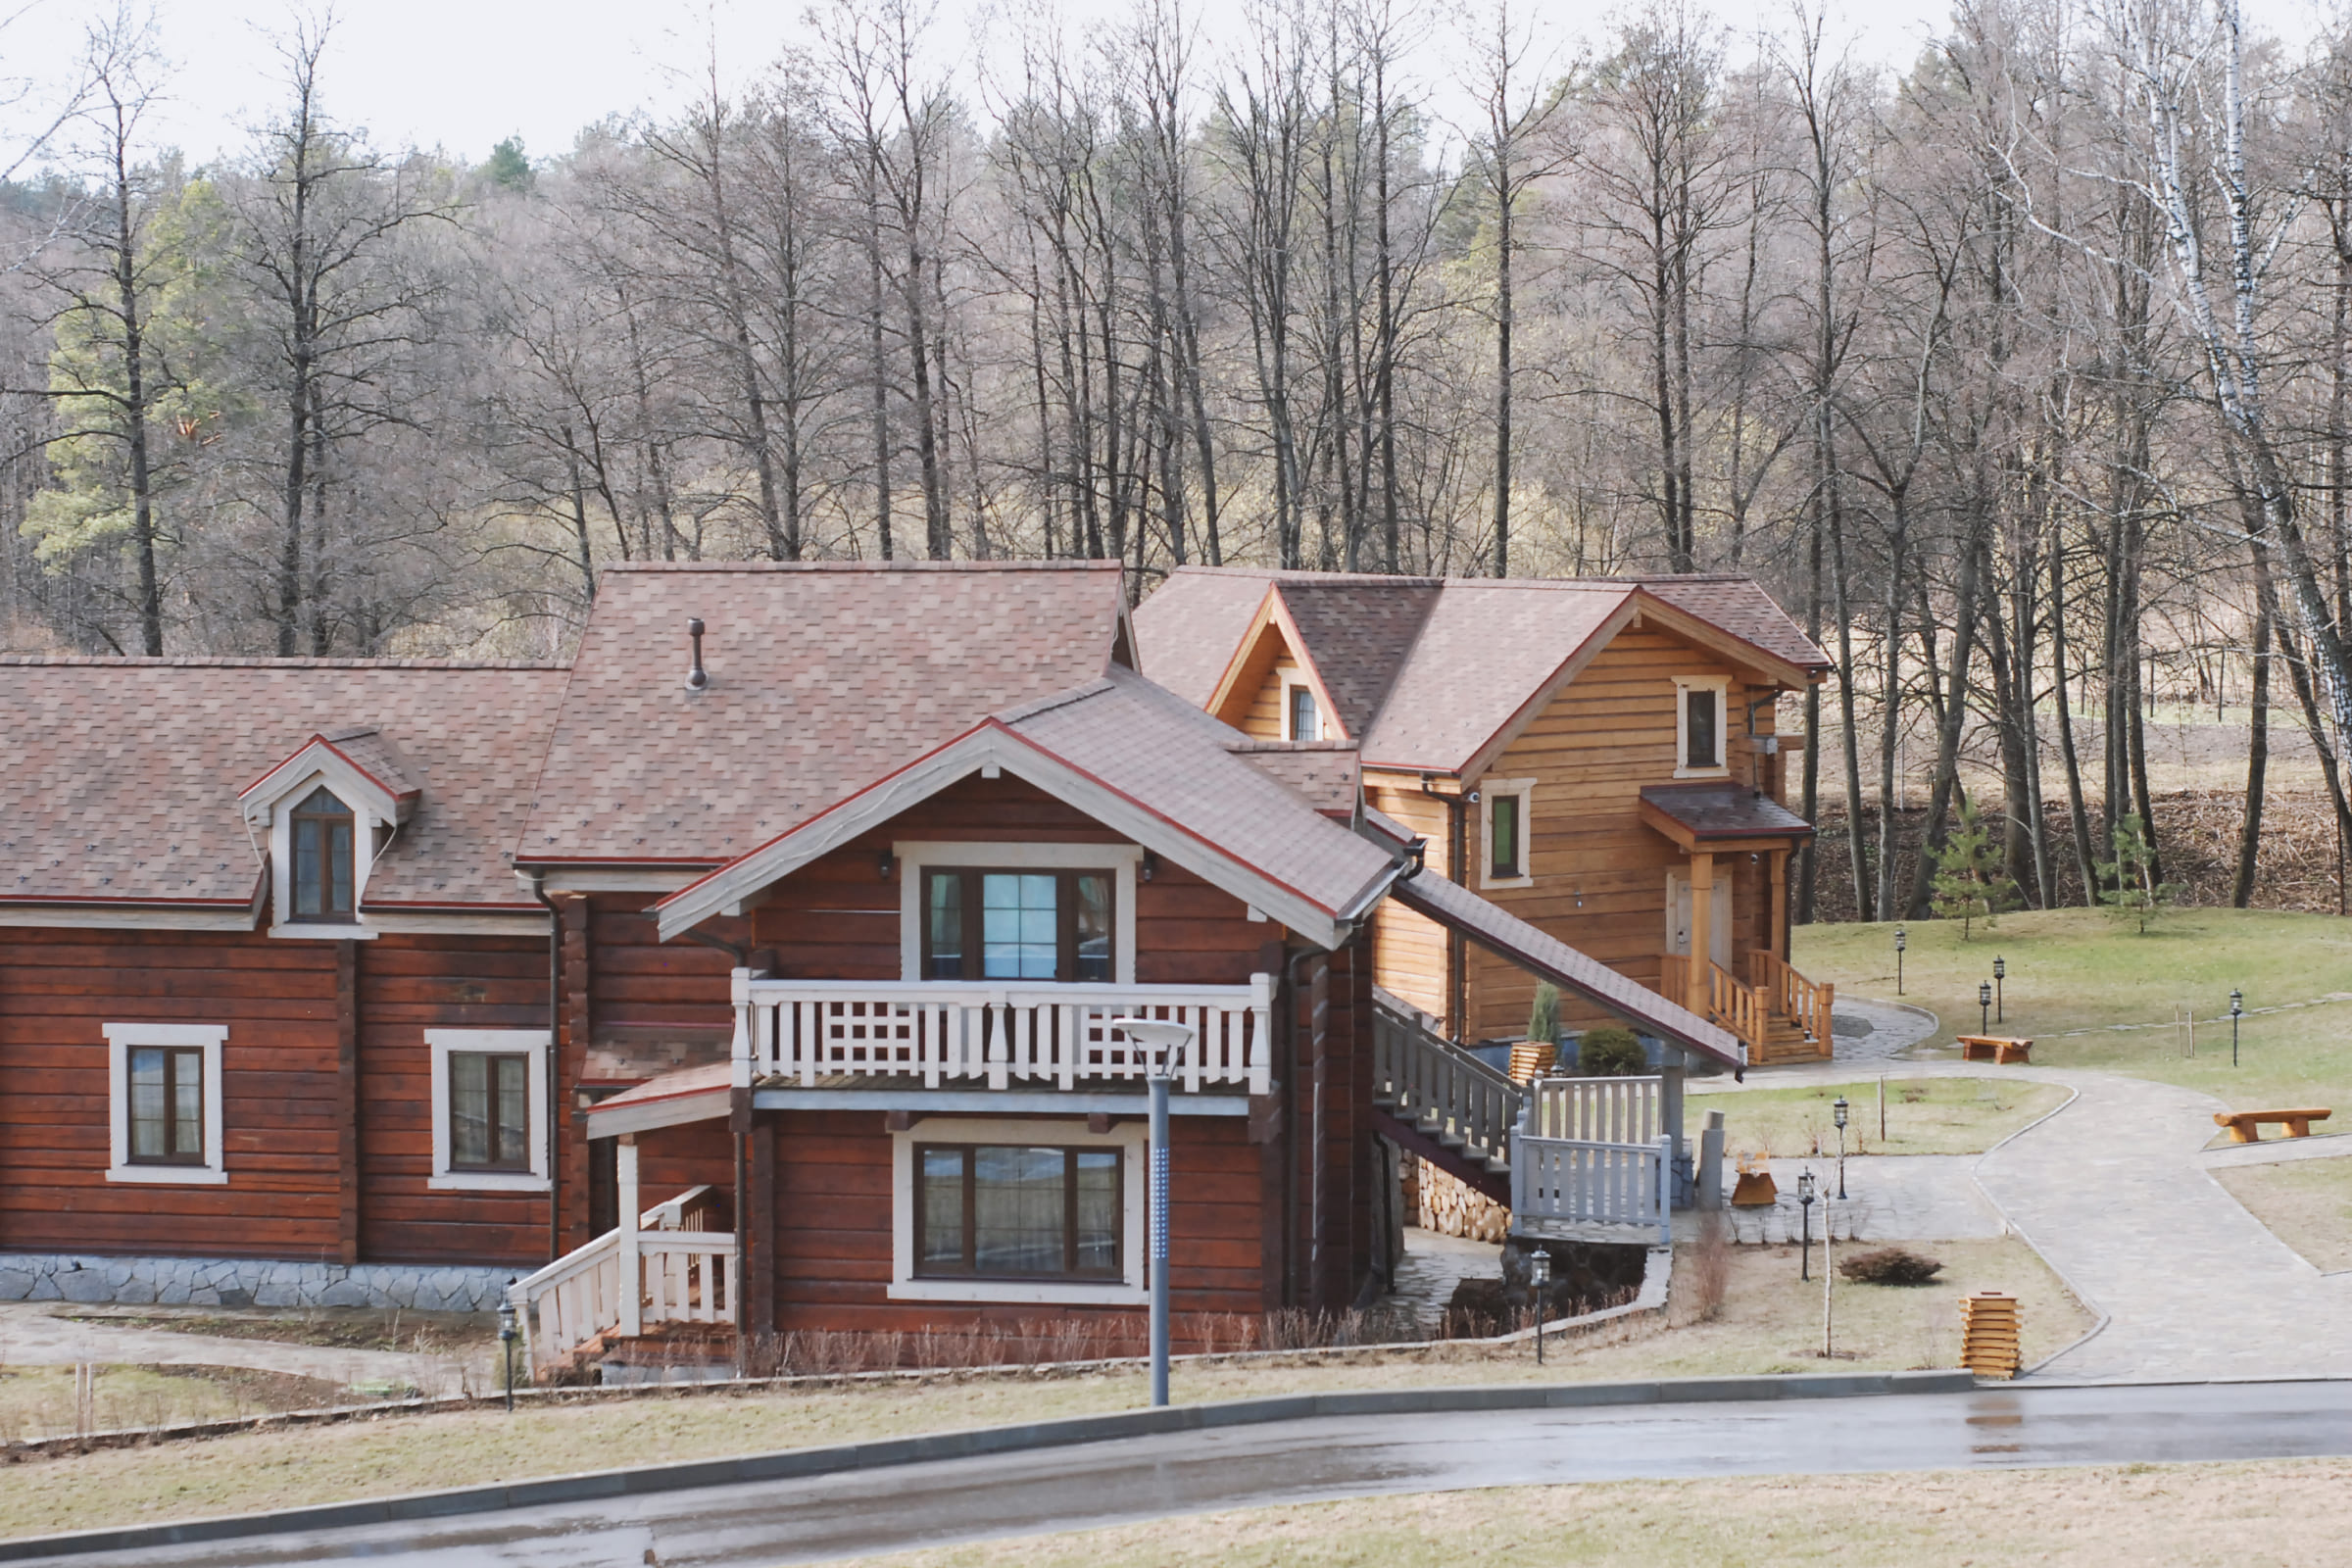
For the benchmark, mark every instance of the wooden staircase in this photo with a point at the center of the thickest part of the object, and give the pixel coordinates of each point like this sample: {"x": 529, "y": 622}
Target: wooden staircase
{"x": 1432, "y": 1098}
{"x": 1780, "y": 1015}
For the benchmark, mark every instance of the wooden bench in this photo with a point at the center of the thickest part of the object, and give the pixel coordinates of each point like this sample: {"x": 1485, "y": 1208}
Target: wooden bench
{"x": 1996, "y": 1050}
{"x": 2245, "y": 1126}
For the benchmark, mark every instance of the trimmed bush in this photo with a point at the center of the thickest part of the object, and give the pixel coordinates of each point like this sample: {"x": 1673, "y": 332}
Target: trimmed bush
{"x": 1610, "y": 1053}
{"x": 1544, "y": 1018}
{"x": 1890, "y": 1266}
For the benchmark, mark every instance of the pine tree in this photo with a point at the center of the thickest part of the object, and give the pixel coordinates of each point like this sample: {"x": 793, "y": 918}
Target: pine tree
{"x": 1968, "y": 874}
{"x": 2136, "y": 894}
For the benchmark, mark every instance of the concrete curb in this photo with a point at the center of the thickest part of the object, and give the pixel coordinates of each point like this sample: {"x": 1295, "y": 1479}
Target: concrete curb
{"x": 797, "y": 1463}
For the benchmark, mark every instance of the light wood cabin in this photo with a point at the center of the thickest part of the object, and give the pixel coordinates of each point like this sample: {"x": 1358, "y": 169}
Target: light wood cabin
{"x": 1551, "y": 744}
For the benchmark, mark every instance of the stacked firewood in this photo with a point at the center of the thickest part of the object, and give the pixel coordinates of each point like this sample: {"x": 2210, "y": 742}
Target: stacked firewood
{"x": 1451, "y": 1207}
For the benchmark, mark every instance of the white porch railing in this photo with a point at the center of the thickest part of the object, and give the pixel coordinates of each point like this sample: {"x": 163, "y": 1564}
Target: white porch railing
{"x": 1602, "y": 1110}
{"x": 683, "y": 1277}
{"x": 1561, "y": 1185}
{"x": 1049, "y": 1034}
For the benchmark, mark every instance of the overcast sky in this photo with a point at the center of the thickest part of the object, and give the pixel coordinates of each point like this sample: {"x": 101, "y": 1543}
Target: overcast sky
{"x": 460, "y": 75}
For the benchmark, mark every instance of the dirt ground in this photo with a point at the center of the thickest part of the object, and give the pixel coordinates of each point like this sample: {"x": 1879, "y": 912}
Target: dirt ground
{"x": 2306, "y": 1202}
{"x": 2235, "y": 1514}
{"x": 39, "y": 1401}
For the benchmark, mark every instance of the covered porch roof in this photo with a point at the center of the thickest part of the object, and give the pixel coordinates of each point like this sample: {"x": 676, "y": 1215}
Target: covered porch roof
{"x": 1717, "y": 815}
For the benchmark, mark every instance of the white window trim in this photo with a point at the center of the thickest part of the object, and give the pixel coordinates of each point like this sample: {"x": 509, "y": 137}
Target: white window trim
{"x": 531, "y": 1043}
{"x": 1524, "y": 789}
{"x": 1293, "y": 680}
{"x": 1129, "y": 1291}
{"x": 121, "y": 1039}
{"x": 1684, "y": 686}
{"x": 914, "y": 854}
{"x": 364, "y": 823}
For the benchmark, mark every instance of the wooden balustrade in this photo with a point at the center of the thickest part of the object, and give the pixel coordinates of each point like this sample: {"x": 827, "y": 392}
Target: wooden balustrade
{"x": 1062, "y": 1034}
{"x": 1421, "y": 1078}
{"x": 1599, "y": 1110}
{"x": 684, "y": 1276}
{"x": 1576, "y": 1188}
{"x": 1802, "y": 1001}
{"x": 1740, "y": 1008}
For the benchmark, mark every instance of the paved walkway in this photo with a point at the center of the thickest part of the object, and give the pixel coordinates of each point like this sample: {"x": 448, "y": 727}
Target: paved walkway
{"x": 1434, "y": 1264}
{"x": 36, "y": 1334}
{"x": 1890, "y": 1197}
{"x": 1864, "y": 1029}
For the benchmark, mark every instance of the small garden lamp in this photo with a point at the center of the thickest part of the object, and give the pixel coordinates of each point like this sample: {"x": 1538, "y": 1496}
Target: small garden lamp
{"x": 507, "y": 1333}
{"x": 1837, "y": 1111}
{"x": 2000, "y": 1006}
{"x": 1805, "y": 1246}
{"x": 2238, "y": 1009}
{"x": 1900, "y": 940}
{"x": 1539, "y": 1275}
{"x": 1984, "y": 1006}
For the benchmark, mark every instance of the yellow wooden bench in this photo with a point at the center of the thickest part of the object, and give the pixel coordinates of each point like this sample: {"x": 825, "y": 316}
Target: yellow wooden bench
{"x": 2245, "y": 1126}
{"x": 1996, "y": 1048}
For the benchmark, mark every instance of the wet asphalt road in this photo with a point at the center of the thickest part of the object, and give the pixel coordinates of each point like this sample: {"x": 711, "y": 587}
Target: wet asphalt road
{"x": 1143, "y": 1478}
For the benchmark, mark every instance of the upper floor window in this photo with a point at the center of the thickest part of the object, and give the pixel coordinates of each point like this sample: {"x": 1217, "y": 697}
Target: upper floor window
{"x": 1699, "y": 726}
{"x": 323, "y": 858}
{"x": 1504, "y": 806}
{"x": 982, "y": 924}
{"x": 1302, "y": 719}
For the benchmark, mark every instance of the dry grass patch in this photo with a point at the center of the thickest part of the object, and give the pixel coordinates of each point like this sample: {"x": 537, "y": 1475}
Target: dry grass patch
{"x": 1767, "y": 1322}
{"x": 2278, "y": 1512}
{"x": 39, "y": 1401}
{"x": 2306, "y": 1202}
{"x": 1923, "y": 1115}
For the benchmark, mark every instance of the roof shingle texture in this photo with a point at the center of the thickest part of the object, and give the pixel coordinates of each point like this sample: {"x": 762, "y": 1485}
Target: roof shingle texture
{"x": 1724, "y": 810}
{"x": 1436, "y": 667}
{"x": 823, "y": 678}
{"x": 1173, "y": 760}
{"x": 120, "y": 777}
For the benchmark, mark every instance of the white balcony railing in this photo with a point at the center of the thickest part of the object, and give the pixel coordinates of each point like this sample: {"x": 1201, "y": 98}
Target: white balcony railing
{"x": 935, "y": 1031}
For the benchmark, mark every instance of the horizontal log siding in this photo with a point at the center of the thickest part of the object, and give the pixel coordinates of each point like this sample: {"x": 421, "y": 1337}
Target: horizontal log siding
{"x": 1409, "y": 949}
{"x": 1610, "y": 732}
{"x": 833, "y": 1227}
{"x": 410, "y": 984}
{"x": 1263, "y": 717}
{"x": 836, "y": 919}
{"x": 282, "y": 1102}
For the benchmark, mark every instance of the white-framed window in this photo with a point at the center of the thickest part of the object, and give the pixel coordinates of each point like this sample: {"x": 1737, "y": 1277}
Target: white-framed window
{"x": 1040, "y": 1211}
{"x": 1701, "y": 725}
{"x": 489, "y": 1109}
{"x": 1302, "y": 713}
{"x": 1505, "y": 806}
{"x": 163, "y": 1104}
{"x": 321, "y": 846}
{"x": 1076, "y": 912}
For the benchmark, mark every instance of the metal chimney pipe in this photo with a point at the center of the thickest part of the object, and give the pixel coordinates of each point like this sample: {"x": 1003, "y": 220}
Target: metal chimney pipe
{"x": 696, "y": 678}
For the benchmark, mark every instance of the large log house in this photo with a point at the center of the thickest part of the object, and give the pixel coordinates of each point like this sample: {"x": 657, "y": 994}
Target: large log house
{"x": 387, "y": 981}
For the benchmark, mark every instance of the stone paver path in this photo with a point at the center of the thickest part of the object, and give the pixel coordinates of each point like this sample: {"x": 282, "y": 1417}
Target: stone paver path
{"x": 32, "y": 1333}
{"x": 1863, "y": 1029}
{"x": 1434, "y": 1264}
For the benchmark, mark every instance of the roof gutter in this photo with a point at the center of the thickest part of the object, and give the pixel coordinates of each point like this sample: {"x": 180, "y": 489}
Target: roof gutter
{"x": 554, "y": 1060}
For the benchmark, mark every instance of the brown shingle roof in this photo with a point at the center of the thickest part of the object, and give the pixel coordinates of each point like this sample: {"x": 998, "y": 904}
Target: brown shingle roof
{"x": 120, "y": 776}
{"x": 1426, "y": 672}
{"x": 1721, "y": 809}
{"x": 823, "y": 677}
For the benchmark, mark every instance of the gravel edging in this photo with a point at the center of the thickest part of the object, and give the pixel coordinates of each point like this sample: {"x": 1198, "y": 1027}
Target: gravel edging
{"x": 1062, "y": 1432}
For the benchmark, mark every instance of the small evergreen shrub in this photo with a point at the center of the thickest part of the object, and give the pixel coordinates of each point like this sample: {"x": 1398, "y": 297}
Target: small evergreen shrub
{"x": 1890, "y": 1266}
{"x": 1610, "y": 1053}
{"x": 1544, "y": 1018}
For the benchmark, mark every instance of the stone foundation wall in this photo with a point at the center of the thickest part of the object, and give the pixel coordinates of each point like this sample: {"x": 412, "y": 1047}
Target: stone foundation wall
{"x": 246, "y": 1282}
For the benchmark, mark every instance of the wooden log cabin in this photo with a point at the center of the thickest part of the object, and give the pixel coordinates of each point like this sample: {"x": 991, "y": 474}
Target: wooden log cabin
{"x": 770, "y": 956}
{"x": 1597, "y": 757}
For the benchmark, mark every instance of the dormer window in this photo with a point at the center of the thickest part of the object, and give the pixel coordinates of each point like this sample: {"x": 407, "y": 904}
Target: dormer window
{"x": 323, "y": 858}
{"x": 1300, "y": 718}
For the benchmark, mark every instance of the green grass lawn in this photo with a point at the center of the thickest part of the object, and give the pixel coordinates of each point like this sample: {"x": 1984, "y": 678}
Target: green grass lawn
{"x": 1923, "y": 1115}
{"x": 2071, "y": 969}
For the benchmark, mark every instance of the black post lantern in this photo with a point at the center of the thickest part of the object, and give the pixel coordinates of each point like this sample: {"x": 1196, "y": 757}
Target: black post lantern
{"x": 2238, "y": 1009}
{"x": 2000, "y": 1007}
{"x": 1900, "y": 943}
{"x": 506, "y": 1334}
{"x": 1838, "y": 1112}
{"x": 1805, "y": 1246}
{"x": 1539, "y": 1275}
{"x": 1984, "y": 1006}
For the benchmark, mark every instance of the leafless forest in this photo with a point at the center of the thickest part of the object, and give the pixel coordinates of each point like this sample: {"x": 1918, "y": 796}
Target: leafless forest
{"x": 2023, "y": 375}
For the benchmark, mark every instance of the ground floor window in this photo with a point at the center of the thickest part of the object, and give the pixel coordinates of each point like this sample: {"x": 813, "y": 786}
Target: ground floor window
{"x": 489, "y": 1108}
{"x": 1020, "y": 1212}
{"x": 164, "y": 1104}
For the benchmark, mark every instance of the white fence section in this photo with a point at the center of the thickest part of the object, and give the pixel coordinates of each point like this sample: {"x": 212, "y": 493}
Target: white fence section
{"x": 1567, "y": 1185}
{"x": 1053, "y": 1034}
{"x": 684, "y": 1276}
{"x": 1598, "y": 1111}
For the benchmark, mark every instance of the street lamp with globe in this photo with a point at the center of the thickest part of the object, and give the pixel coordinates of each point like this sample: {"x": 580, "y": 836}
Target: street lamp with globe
{"x": 1165, "y": 1041}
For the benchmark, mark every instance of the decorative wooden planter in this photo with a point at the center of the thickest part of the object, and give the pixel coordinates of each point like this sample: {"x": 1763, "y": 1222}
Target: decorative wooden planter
{"x": 1989, "y": 1334}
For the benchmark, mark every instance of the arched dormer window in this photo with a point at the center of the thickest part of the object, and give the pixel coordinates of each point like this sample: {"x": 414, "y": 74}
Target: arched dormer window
{"x": 323, "y": 858}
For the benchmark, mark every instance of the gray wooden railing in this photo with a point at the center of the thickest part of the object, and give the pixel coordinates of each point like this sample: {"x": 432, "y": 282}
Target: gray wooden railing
{"x": 1577, "y": 1188}
{"x": 1419, "y": 1077}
